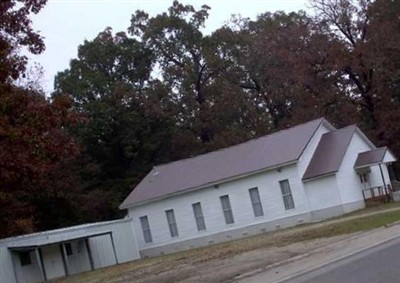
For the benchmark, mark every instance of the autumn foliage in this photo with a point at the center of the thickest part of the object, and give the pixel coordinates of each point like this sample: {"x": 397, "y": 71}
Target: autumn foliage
{"x": 33, "y": 142}
{"x": 34, "y": 137}
{"x": 17, "y": 32}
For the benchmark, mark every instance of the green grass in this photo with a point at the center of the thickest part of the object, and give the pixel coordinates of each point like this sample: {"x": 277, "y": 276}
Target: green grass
{"x": 377, "y": 207}
{"x": 347, "y": 226}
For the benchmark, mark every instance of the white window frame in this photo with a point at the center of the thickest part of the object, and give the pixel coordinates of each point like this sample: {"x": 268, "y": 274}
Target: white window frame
{"x": 287, "y": 195}
{"x": 256, "y": 202}
{"x": 198, "y": 216}
{"x": 144, "y": 222}
{"x": 173, "y": 227}
{"x": 227, "y": 209}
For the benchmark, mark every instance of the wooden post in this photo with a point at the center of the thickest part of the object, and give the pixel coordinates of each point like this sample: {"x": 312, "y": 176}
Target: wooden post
{"x": 384, "y": 183}
{"x": 113, "y": 246}
{"x": 65, "y": 257}
{"x": 89, "y": 253}
{"x": 40, "y": 263}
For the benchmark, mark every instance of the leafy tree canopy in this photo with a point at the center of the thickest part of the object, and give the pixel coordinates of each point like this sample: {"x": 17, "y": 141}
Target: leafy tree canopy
{"x": 16, "y": 33}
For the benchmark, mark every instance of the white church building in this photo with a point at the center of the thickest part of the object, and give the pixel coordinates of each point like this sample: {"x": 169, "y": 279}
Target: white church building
{"x": 305, "y": 173}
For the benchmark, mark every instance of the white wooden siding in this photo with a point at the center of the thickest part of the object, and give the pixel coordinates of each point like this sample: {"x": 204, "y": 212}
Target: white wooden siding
{"x": 310, "y": 149}
{"x": 376, "y": 176}
{"x": 389, "y": 157}
{"x": 349, "y": 184}
{"x": 323, "y": 193}
{"x": 238, "y": 191}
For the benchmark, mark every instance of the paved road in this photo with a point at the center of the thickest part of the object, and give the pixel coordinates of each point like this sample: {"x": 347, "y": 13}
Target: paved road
{"x": 378, "y": 264}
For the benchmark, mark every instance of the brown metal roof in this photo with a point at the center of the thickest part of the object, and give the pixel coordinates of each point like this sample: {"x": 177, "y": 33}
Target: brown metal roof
{"x": 370, "y": 157}
{"x": 329, "y": 153}
{"x": 276, "y": 149}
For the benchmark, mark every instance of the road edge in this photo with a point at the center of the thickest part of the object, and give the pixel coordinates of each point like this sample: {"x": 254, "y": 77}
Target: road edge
{"x": 293, "y": 276}
{"x": 315, "y": 251}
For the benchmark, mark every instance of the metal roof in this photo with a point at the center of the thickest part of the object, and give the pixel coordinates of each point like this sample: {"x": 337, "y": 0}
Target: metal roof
{"x": 60, "y": 235}
{"x": 44, "y": 241}
{"x": 266, "y": 152}
{"x": 370, "y": 157}
{"x": 329, "y": 153}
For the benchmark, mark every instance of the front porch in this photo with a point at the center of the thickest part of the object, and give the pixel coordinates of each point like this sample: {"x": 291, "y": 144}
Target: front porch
{"x": 376, "y": 182}
{"x": 377, "y": 194}
{"x": 50, "y": 258}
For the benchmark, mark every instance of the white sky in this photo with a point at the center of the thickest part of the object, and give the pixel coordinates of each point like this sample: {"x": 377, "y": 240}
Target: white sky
{"x": 65, "y": 24}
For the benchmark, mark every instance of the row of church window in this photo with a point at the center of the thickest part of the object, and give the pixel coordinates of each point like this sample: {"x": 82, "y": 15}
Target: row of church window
{"x": 226, "y": 209}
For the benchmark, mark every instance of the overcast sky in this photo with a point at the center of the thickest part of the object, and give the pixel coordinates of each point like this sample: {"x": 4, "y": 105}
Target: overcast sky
{"x": 65, "y": 24}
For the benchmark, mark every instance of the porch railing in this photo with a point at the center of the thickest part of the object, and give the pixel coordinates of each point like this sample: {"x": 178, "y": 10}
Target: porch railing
{"x": 378, "y": 193}
{"x": 395, "y": 186}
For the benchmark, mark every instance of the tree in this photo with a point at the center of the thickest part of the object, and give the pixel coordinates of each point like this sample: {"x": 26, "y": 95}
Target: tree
{"x": 104, "y": 64}
{"x": 368, "y": 60}
{"x": 126, "y": 131}
{"x": 209, "y": 112}
{"x": 181, "y": 54}
{"x": 16, "y": 33}
{"x": 279, "y": 63}
{"x": 33, "y": 143}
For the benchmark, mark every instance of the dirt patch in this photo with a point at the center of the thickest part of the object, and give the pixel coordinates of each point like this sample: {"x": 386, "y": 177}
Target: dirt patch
{"x": 219, "y": 266}
{"x": 224, "y": 261}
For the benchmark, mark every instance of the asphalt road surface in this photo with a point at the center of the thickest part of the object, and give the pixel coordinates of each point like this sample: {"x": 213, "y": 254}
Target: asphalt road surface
{"x": 378, "y": 264}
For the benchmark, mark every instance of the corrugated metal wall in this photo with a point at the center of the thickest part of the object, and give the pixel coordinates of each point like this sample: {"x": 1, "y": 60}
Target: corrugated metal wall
{"x": 102, "y": 251}
{"x": 28, "y": 273}
{"x": 125, "y": 242}
{"x": 6, "y": 268}
{"x": 101, "y": 248}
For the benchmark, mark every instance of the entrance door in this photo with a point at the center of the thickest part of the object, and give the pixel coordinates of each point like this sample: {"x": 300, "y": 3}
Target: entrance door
{"x": 364, "y": 178}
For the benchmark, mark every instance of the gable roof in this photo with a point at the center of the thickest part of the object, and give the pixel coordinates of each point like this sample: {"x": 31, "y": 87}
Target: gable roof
{"x": 277, "y": 149}
{"x": 329, "y": 153}
{"x": 370, "y": 157}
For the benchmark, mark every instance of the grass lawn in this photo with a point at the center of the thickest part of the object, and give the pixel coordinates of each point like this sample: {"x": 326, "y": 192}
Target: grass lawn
{"x": 363, "y": 220}
{"x": 361, "y": 223}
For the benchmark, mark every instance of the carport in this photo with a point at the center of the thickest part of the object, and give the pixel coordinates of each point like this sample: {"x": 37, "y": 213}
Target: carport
{"x": 48, "y": 250}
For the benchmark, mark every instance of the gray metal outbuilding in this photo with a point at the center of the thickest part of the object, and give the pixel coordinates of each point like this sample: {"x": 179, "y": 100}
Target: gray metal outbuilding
{"x": 52, "y": 254}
